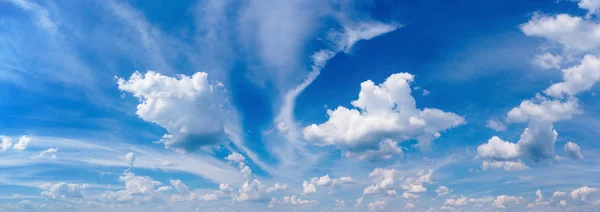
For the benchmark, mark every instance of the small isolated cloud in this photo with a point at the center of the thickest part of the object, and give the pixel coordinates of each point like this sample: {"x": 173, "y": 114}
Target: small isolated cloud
{"x": 235, "y": 157}
{"x": 497, "y": 148}
{"x": 496, "y": 125}
{"x": 573, "y": 151}
{"x": 49, "y": 153}
{"x": 539, "y": 201}
{"x": 502, "y": 200}
{"x": 308, "y": 188}
{"x": 130, "y": 158}
{"x": 6, "y": 142}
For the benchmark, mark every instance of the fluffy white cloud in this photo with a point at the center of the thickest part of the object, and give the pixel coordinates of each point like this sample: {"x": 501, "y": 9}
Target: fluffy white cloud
{"x": 409, "y": 206}
{"x": 235, "y": 157}
{"x": 377, "y": 205}
{"x": 443, "y": 190}
{"x": 387, "y": 149}
{"x": 252, "y": 191}
{"x": 558, "y": 194}
{"x": 497, "y": 148}
{"x": 563, "y": 203}
{"x": 407, "y": 195}
{"x": 22, "y": 143}
{"x": 193, "y": 111}
{"x": 506, "y": 165}
{"x": 384, "y": 111}
{"x": 6, "y": 142}
{"x": 572, "y": 32}
{"x": 130, "y": 158}
{"x": 573, "y": 150}
{"x": 138, "y": 184}
{"x": 542, "y": 109}
{"x": 322, "y": 181}
{"x": 308, "y": 188}
{"x": 502, "y": 200}
{"x": 385, "y": 179}
{"x": 577, "y": 78}
{"x": 592, "y": 6}
{"x": 583, "y": 192}
{"x": 481, "y": 200}
{"x": 292, "y": 200}
{"x": 63, "y": 190}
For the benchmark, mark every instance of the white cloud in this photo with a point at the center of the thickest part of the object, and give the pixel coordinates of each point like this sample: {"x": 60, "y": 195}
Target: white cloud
{"x": 377, "y": 205}
{"x": 558, "y": 194}
{"x": 573, "y": 150}
{"x": 63, "y": 190}
{"x": 235, "y": 157}
{"x": 548, "y": 61}
{"x": 572, "y": 32}
{"x": 443, "y": 191}
{"x": 481, "y": 200}
{"x": 193, "y": 111}
{"x": 292, "y": 200}
{"x": 457, "y": 202}
{"x": 130, "y": 158}
{"x": 308, "y": 188}
{"x": 539, "y": 201}
{"x": 409, "y": 206}
{"x": 278, "y": 187}
{"x": 138, "y": 184}
{"x": 49, "y": 153}
{"x": 592, "y": 6}
{"x": 252, "y": 191}
{"x": 321, "y": 181}
{"x": 385, "y": 111}
{"x": 414, "y": 188}
{"x": 22, "y": 143}
{"x": 577, "y": 78}
{"x": 360, "y": 31}
{"x": 563, "y": 203}
{"x": 6, "y": 142}
{"x": 582, "y": 193}
{"x": 506, "y": 165}
{"x": 542, "y": 109}
{"x": 179, "y": 186}
{"x": 385, "y": 179}
{"x": 407, "y": 195}
{"x": 497, "y": 148}
{"x": 496, "y": 125}
{"x": 502, "y": 200}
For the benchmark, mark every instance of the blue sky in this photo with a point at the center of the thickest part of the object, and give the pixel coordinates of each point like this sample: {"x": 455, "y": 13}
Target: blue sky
{"x": 309, "y": 105}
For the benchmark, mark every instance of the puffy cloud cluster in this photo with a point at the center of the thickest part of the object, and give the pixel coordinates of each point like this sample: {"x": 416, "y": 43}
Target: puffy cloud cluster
{"x": 130, "y": 158}
{"x": 578, "y": 78}
{"x": 252, "y": 191}
{"x": 324, "y": 181}
{"x": 384, "y": 114}
{"x": 502, "y": 200}
{"x": 548, "y": 61}
{"x": 193, "y": 111}
{"x": 506, "y": 165}
{"x": 63, "y": 190}
{"x": 7, "y": 143}
{"x": 592, "y": 6}
{"x": 583, "y": 192}
{"x": 239, "y": 159}
{"x": 388, "y": 180}
{"x": 377, "y": 205}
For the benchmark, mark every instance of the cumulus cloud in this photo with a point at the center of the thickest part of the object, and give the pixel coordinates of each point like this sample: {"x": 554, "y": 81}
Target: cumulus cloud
{"x": 443, "y": 191}
{"x": 573, "y": 33}
{"x": 577, "y": 78}
{"x": 63, "y": 190}
{"x": 557, "y": 194}
{"x": 252, "y": 191}
{"x": 384, "y": 111}
{"x": 385, "y": 180}
{"x": 496, "y": 125}
{"x": 573, "y": 151}
{"x": 6, "y": 142}
{"x": 235, "y": 157}
{"x": 457, "y": 202}
{"x": 278, "y": 187}
{"x": 291, "y": 200}
{"x": 592, "y": 6}
{"x": 193, "y": 111}
{"x": 548, "y": 61}
{"x": 506, "y": 165}
{"x": 583, "y": 192}
{"x": 308, "y": 188}
{"x": 497, "y": 148}
{"x": 22, "y": 143}
{"x": 502, "y": 200}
